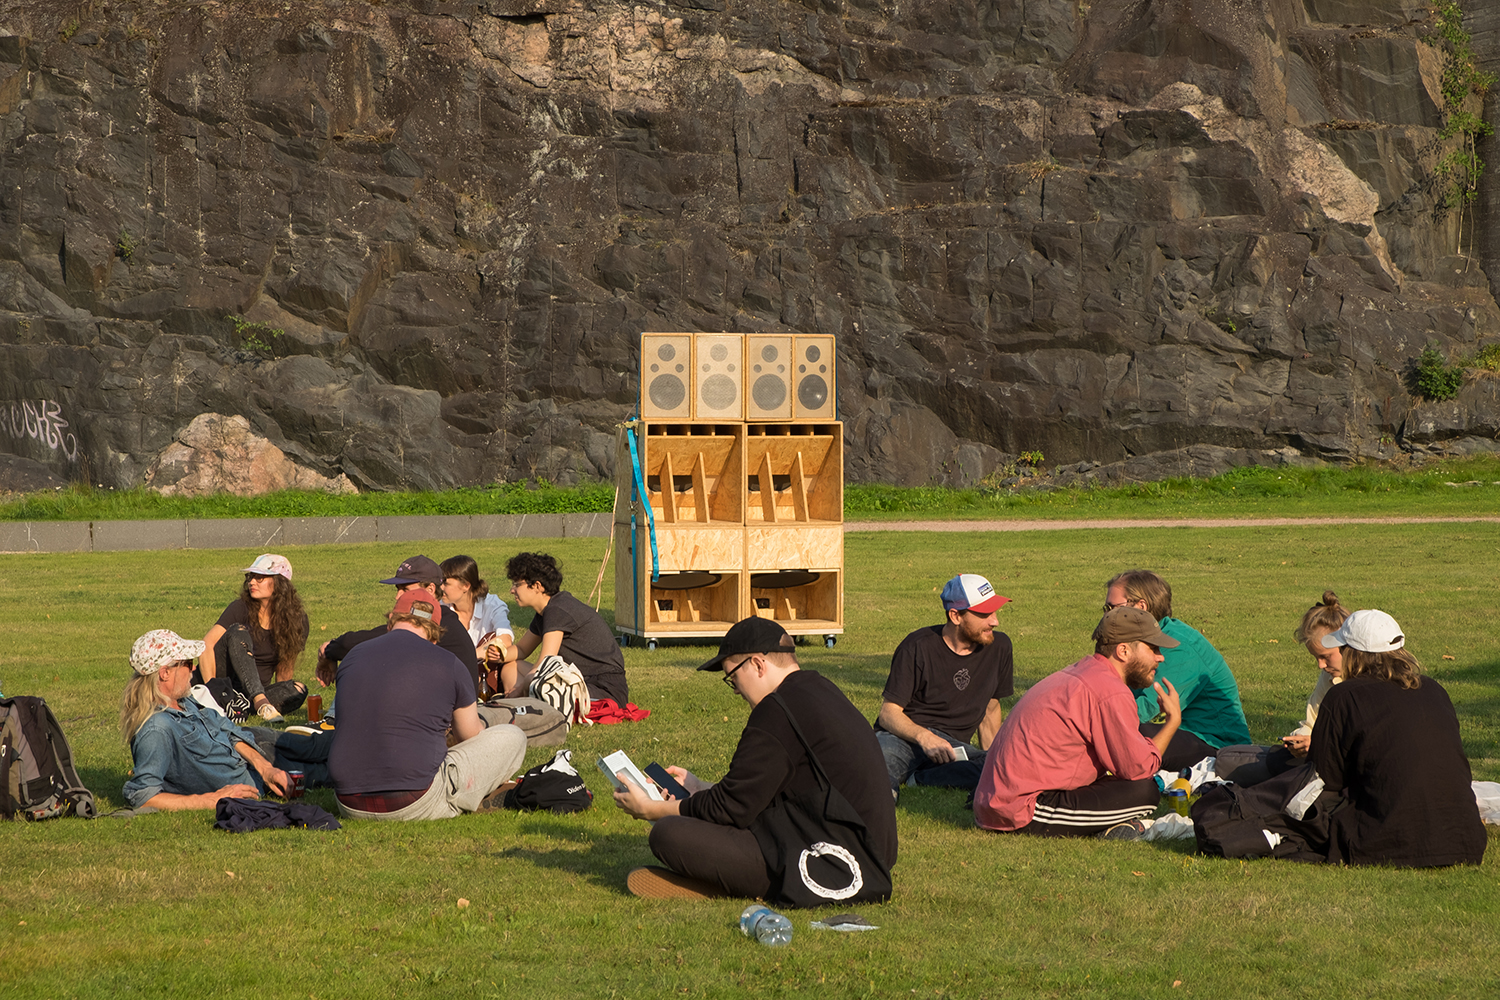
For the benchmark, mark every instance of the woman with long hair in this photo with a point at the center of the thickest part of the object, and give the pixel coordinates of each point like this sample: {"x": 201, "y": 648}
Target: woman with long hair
{"x": 1387, "y": 738}
{"x": 257, "y": 640}
{"x": 483, "y": 614}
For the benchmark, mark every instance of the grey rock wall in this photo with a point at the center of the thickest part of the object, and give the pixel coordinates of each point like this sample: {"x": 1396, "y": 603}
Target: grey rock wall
{"x": 416, "y": 243}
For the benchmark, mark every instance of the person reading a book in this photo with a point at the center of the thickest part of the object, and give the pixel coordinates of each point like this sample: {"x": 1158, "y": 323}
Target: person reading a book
{"x": 711, "y": 842}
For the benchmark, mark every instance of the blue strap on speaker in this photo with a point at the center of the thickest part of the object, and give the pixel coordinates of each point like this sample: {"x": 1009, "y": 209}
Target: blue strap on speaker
{"x": 640, "y": 488}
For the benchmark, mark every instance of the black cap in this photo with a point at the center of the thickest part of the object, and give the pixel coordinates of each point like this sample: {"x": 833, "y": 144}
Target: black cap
{"x": 753, "y": 635}
{"x": 417, "y": 569}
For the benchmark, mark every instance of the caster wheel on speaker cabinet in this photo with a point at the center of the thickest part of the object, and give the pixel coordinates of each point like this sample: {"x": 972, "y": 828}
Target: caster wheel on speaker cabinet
{"x": 650, "y": 644}
{"x": 800, "y": 640}
{"x": 623, "y": 640}
{"x": 829, "y": 641}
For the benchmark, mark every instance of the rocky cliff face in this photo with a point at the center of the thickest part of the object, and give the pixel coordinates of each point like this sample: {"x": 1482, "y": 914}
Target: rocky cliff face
{"x": 415, "y": 243}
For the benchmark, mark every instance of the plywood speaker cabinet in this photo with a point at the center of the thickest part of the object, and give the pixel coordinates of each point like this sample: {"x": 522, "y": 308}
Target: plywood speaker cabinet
{"x": 768, "y": 376}
{"x": 666, "y": 376}
{"x": 813, "y": 395}
{"x": 718, "y": 376}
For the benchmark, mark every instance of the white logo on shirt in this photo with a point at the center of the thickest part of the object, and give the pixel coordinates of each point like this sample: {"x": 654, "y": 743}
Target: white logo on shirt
{"x": 962, "y": 678}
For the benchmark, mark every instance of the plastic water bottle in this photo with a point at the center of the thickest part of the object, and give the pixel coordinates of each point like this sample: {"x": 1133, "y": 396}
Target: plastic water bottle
{"x": 765, "y": 925}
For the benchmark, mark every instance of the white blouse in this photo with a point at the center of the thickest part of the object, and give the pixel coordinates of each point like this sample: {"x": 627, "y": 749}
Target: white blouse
{"x": 490, "y": 615}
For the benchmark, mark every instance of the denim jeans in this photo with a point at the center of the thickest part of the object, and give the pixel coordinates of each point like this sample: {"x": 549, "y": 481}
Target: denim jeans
{"x": 904, "y": 759}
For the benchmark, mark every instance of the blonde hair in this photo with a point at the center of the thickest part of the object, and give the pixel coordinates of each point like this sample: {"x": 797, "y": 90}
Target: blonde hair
{"x": 1325, "y": 616}
{"x": 430, "y": 628}
{"x": 1398, "y": 666}
{"x": 142, "y": 699}
{"x": 1144, "y": 585}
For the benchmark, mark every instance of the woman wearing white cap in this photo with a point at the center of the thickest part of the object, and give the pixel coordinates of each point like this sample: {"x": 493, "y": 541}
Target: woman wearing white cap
{"x": 1388, "y": 738}
{"x": 257, "y": 640}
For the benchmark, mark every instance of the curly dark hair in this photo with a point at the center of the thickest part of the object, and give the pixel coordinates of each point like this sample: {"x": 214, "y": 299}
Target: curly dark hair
{"x": 287, "y": 615}
{"x": 536, "y": 568}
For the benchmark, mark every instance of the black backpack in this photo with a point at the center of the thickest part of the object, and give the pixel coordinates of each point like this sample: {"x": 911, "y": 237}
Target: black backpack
{"x": 37, "y": 776}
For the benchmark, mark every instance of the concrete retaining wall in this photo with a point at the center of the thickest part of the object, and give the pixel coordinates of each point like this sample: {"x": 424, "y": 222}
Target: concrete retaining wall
{"x": 272, "y": 532}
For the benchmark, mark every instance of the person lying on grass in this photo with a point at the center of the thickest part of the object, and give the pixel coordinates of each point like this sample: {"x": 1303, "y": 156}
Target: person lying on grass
{"x": 186, "y": 756}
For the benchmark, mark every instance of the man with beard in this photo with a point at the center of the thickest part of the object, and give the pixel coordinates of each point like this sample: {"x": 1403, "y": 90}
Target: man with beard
{"x": 1070, "y": 760}
{"x": 946, "y": 682}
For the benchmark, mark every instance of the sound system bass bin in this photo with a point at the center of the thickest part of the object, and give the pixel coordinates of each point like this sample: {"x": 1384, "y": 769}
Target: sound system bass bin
{"x": 731, "y": 488}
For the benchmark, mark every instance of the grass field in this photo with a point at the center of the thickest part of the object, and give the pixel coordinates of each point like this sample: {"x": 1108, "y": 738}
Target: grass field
{"x": 163, "y": 905}
{"x": 1450, "y": 487}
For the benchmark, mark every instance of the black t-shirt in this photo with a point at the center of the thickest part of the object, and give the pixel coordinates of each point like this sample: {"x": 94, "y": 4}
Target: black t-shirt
{"x": 939, "y": 689}
{"x": 455, "y": 640}
{"x": 587, "y": 643}
{"x": 262, "y": 644}
{"x": 397, "y": 695}
{"x": 1397, "y": 755}
{"x": 771, "y": 760}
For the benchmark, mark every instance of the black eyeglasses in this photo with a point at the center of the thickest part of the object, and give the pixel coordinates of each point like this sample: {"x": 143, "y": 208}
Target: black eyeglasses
{"x": 1108, "y": 607}
{"x": 729, "y": 677}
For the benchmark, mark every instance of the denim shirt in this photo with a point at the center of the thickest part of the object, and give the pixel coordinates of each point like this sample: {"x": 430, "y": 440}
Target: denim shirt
{"x": 187, "y": 751}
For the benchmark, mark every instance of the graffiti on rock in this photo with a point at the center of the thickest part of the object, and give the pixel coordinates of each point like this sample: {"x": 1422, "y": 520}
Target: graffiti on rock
{"x": 42, "y": 422}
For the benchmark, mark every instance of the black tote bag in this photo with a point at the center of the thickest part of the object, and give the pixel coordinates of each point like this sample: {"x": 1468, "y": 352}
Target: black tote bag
{"x": 816, "y": 845}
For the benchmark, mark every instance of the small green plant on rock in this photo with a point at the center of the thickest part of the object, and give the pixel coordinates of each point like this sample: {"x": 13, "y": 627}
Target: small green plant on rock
{"x": 125, "y": 246}
{"x": 1436, "y": 379}
{"x": 1464, "y": 85}
{"x": 256, "y": 337}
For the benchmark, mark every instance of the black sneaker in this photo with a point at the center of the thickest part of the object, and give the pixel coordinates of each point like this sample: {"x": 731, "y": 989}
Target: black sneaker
{"x": 1131, "y": 829}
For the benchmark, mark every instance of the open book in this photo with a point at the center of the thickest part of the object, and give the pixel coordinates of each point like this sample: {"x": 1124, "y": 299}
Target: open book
{"x": 620, "y": 761}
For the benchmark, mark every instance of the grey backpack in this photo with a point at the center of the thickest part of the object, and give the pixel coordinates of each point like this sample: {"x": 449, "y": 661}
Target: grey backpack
{"x": 37, "y": 776}
{"x": 543, "y": 725}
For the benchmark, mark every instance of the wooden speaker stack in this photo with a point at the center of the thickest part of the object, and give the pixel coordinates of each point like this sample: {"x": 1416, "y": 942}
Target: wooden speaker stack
{"x": 731, "y": 488}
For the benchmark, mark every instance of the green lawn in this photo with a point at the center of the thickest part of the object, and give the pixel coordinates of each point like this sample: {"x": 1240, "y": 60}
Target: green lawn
{"x": 165, "y": 905}
{"x": 1458, "y": 487}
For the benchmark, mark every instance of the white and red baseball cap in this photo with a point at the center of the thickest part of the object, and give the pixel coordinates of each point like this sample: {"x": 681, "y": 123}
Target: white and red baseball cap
{"x": 971, "y": 592}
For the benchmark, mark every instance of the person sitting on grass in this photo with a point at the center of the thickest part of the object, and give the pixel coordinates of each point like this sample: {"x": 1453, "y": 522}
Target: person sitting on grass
{"x": 1212, "y": 715}
{"x": 800, "y": 724}
{"x": 945, "y": 685}
{"x": 562, "y": 626}
{"x": 399, "y": 695}
{"x": 483, "y": 615}
{"x": 186, "y": 756}
{"x": 1388, "y": 738}
{"x": 1249, "y": 764}
{"x": 416, "y": 573}
{"x": 256, "y": 641}
{"x": 1070, "y": 759}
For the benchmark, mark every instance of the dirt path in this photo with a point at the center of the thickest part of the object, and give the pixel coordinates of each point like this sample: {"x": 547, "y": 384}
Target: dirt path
{"x": 1205, "y": 522}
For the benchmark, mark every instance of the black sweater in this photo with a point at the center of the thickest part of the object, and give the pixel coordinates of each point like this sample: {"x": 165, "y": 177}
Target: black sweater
{"x": 1396, "y": 754}
{"x": 770, "y": 759}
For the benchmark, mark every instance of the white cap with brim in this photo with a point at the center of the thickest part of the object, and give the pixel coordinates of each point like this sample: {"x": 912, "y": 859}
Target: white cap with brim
{"x": 160, "y": 647}
{"x": 1368, "y": 631}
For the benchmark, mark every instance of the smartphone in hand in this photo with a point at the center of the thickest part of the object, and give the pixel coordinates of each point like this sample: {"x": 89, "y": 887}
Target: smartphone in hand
{"x": 673, "y": 787}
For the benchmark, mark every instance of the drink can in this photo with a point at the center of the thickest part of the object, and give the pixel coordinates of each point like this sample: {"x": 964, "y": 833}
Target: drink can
{"x": 294, "y": 784}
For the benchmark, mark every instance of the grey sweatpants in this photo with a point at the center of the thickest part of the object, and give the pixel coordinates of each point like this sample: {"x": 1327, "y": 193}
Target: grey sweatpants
{"x": 469, "y": 772}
